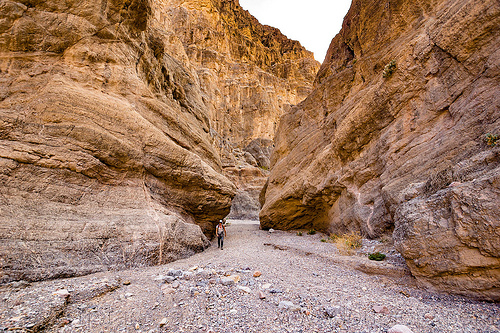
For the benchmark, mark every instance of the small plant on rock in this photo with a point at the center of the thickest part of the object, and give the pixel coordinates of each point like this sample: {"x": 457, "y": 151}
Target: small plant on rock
{"x": 299, "y": 233}
{"x": 323, "y": 240}
{"x": 491, "y": 139}
{"x": 377, "y": 256}
{"x": 389, "y": 69}
{"x": 311, "y": 232}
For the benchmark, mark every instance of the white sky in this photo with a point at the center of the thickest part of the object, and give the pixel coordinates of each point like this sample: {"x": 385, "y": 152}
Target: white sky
{"x": 313, "y": 23}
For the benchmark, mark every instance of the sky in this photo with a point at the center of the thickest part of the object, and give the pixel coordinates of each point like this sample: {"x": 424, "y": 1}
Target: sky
{"x": 313, "y": 23}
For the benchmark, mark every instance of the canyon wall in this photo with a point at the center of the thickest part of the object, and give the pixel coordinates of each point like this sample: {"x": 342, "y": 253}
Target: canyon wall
{"x": 392, "y": 140}
{"x": 249, "y": 74}
{"x": 111, "y": 144}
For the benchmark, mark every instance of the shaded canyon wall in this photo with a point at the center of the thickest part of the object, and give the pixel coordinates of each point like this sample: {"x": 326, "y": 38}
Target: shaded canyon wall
{"x": 392, "y": 140}
{"x": 109, "y": 156}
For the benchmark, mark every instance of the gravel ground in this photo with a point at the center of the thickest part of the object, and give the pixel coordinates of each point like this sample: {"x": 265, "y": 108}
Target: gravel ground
{"x": 304, "y": 286}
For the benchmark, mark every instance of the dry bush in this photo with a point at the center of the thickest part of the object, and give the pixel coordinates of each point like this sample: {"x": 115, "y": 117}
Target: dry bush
{"x": 348, "y": 243}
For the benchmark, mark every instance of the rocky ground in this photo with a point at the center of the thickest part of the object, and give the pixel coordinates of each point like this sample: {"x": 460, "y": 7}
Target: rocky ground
{"x": 260, "y": 282}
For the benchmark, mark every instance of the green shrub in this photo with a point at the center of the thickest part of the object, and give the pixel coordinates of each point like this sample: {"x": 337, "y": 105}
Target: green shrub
{"x": 377, "y": 256}
{"x": 389, "y": 69}
{"x": 491, "y": 139}
{"x": 323, "y": 240}
{"x": 311, "y": 232}
{"x": 299, "y": 233}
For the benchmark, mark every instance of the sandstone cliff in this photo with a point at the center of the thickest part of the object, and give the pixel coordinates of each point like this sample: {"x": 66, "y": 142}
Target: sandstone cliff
{"x": 109, "y": 140}
{"x": 249, "y": 74}
{"x": 393, "y": 139}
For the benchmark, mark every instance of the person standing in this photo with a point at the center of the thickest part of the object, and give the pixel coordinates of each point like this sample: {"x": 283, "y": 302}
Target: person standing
{"x": 220, "y": 230}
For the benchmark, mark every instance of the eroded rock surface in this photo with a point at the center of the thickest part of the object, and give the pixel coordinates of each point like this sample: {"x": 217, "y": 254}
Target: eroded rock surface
{"x": 110, "y": 142}
{"x": 393, "y": 138}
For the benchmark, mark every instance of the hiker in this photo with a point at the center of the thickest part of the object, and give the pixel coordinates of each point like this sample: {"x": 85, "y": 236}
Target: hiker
{"x": 220, "y": 230}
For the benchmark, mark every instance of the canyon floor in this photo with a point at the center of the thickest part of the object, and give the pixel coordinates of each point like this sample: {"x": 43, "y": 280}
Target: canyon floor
{"x": 304, "y": 286}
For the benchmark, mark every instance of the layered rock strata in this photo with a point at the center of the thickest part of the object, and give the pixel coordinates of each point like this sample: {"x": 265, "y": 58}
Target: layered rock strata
{"x": 393, "y": 139}
{"x": 250, "y": 74}
{"x": 108, "y": 150}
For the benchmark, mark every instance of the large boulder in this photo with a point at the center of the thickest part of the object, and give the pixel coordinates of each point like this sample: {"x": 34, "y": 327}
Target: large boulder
{"x": 400, "y": 110}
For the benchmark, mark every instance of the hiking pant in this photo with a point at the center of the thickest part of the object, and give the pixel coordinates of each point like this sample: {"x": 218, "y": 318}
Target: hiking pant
{"x": 220, "y": 241}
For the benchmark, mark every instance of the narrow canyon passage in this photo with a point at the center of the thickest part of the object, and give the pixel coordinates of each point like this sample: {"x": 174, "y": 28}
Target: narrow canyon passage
{"x": 304, "y": 286}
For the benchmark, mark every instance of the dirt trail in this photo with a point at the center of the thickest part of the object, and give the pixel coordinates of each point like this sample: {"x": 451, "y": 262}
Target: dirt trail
{"x": 307, "y": 285}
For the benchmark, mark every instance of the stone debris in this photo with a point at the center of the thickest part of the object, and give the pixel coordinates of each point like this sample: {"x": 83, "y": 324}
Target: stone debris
{"x": 257, "y": 274}
{"x": 245, "y": 289}
{"x": 399, "y": 329}
{"x": 287, "y": 298}
{"x": 381, "y": 309}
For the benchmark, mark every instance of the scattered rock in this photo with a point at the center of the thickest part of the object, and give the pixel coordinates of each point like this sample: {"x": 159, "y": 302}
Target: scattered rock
{"x": 429, "y": 316}
{"x": 245, "y": 289}
{"x": 257, "y": 274}
{"x": 163, "y": 322}
{"x": 399, "y": 329}
{"x": 175, "y": 273}
{"x": 381, "y": 309}
{"x": 176, "y": 285}
{"x": 289, "y": 306}
{"x": 261, "y": 295}
{"x": 276, "y": 291}
{"x": 271, "y": 230}
{"x": 126, "y": 283}
{"x": 166, "y": 289}
{"x": 333, "y": 311}
{"x": 61, "y": 293}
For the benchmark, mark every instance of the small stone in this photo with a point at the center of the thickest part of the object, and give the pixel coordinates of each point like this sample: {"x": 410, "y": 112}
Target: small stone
{"x": 271, "y": 230}
{"x": 126, "y": 283}
{"x": 429, "y": 316}
{"x": 137, "y": 326}
{"x": 163, "y": 322}
{"x": 176, "y": 285}
{"x": 332, "y": 311}
{"x": 175, "y": 273}
{"x": 233, "y": 311}
{"x": 192, "y": 269}
{"x": 257, "y": 274}
{"x": 261, "y": 295}
{"x": 399, "y": 329}
{"x": 245, "y": 289}
{"x": 285, "y": 305}
{"x": 364, "y": 289}
{"x": 266, "y": 286}
{"x": 276, "y": 291}
{"x": 61, "y": 293}
{"x": 381, "y": 309}
{"x": 225, "y": 281}
{"x": 167, "y": 290}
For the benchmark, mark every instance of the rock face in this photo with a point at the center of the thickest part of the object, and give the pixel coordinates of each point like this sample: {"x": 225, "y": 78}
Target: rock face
{"x": 250, "y": 74}
{"x": 109, "y": 145}
{"x": 392, "y": 138}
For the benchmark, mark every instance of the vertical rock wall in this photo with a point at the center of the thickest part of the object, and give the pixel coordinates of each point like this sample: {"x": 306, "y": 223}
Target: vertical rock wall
{"x": 393, "y": 139}
{"x": 109, "y": 154}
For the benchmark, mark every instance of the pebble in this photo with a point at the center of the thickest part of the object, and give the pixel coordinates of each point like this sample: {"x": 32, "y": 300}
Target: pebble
{"x": 381, "y": 309}
{"x": 175, "y": 273}
{"x": 261, "y": 295}
{"x": 163, "y": 322}
{"x": 257, "y": 274}
{"x": 333, "y": 311}
{"x": 61, "y": 293}
{"x": 245, "y": 289}
{"x": 429, "y": 316}
{"x": 271, "y": 230}
{"x": 399, "y": 329}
